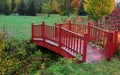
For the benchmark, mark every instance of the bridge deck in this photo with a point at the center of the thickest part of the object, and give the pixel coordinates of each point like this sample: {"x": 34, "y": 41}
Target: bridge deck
{"x": 93, "y": 53}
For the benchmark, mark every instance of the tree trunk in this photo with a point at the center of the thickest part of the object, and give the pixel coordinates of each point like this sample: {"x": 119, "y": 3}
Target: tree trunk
{"x": 68, "y": 8}
{"x": 50, "y": 8}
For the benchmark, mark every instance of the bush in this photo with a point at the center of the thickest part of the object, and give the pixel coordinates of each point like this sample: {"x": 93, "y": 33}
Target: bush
{"x": 31, "y": 9}
{"x": 22, "y": 8}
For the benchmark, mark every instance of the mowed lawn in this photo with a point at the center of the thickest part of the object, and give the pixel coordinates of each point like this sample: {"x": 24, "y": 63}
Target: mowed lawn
{"x": 20, "y": 26}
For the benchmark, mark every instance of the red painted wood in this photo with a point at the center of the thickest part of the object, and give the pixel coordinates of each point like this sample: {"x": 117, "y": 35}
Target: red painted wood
{"x": 85, "y": 47}
{"x": 71, "y": 40}
{"x": 89, "y": 23}
{"x": 109, "y": 46}
{"x": 69, "y": 24}
{"x": 115, "y": 41}
{"x": 43, "y": 32}
{"x": 59, "y": 43}
{"x": 32, "y": 31}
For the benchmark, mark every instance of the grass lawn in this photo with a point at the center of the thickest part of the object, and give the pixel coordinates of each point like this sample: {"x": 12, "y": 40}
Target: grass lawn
{"x": 20, "y": 26}
{"x": 66, "y": 67}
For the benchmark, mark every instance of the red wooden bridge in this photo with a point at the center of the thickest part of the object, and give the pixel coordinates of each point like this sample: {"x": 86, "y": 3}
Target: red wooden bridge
{"x": 69, "y": 40}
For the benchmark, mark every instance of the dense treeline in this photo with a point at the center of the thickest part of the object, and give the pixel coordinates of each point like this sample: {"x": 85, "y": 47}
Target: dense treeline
{"x": 32, "y": 7}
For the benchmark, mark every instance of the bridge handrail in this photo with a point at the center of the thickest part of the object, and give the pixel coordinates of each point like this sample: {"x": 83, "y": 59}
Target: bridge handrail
{"x": 100, "y": 29}
{"x": 72, "y": 32}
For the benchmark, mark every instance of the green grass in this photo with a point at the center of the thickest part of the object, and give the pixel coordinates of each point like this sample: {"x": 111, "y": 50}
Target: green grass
{"x": 21, "y": 25}
{"x": 67, "y": 67}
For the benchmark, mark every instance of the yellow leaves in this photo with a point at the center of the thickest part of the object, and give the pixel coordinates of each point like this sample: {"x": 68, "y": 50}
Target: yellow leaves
{"x": 2, "y": 41}
{"x": 42, "y": 66}
{"x": 5, "y": 64}
{"x": 112, "y": 5}
{"x": 98, "y": 8}
{"x": 74, "y": 4}
{"x": 55, "y": 7}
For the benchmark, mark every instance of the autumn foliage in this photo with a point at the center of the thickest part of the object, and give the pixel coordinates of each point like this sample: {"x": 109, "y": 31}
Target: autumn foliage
{"x": 97, "y": 9}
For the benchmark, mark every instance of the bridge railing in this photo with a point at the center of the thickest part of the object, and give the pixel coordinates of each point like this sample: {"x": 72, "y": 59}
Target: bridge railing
{"x": 73, "y": 42}
{"x": 105, "y": 39}
{"x": 65, "y": 39}
{"x": 36, "y": 31}
{"x": 50, "y": 33}
{"x": 77, "y": 28}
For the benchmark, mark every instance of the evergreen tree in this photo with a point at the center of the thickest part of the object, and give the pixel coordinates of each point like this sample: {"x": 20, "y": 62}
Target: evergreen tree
{"x": 6, "y": 9}
{"x": 31, "y": 8}
{"x": 13, "y": 5}
{"x": 22, "y": 8}
{"x": 2, "y": 2}
{"x": 39, "y": 8}
{"x": 81, "y": 11}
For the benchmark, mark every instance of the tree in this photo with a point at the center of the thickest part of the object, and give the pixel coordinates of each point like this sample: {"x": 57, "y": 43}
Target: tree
{"x": 2, "y": 2}
{"x": 13, "y": 5}
{"x": 39, "y": 7}
{"x": 97, "y": 9}
{"x": 63, "y": 7}
{"x": 54, "y": 7}
{"x": 74, "y": 5}
{"x": 31, "y": 8}
{"x": 81, "y": 11}
{"x": 6, "y": 9}
{"x": 45, "y": 7}
{"x": 50, "y": 8}
{"x": 22, "y": 8}
{"x": 68, "y": 8}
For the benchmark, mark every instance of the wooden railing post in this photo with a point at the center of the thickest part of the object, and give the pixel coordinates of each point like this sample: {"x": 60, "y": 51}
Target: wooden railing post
{"x": 109, "y": 46}
{"x": 59, "y": 44}
{"x": 43, "y": 32}
{"x": 56, "y": 32}
{"x": 89, "y": 23}
{"x": 32, "y": 31}
{"x": 69, "y": 25}
{"x": 115, "y": 41}
{"x": 85, "y": 47}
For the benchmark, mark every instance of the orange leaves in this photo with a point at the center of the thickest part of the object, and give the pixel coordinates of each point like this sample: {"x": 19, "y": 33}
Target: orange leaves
{"x": 74, "y": 4}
